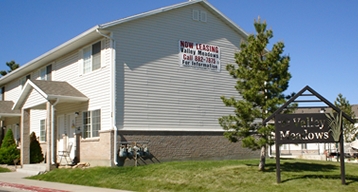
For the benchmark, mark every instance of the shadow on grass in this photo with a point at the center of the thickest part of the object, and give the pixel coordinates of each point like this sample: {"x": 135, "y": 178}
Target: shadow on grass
{"x": 349, "y": 178}
{"x": 295, "y": 166}
{"x": 301, "y": 167}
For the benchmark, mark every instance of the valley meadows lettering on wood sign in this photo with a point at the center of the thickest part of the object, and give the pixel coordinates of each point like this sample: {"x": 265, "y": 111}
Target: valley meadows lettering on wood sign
{"x": 302, "y": 128}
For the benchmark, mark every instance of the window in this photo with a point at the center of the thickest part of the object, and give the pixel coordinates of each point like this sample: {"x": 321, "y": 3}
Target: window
{"x": 92, "y": 57}
{"x": 24, "y": 79}
{"x": 45, "y": 73}
{"x": 196, "y": 15}
{"x": 42, "y": 130}
{"x": 2, "y": 94}
{"x": 91, "y": 123}
{"x": 203, "y": 16}
{"x": 199, "y": 15}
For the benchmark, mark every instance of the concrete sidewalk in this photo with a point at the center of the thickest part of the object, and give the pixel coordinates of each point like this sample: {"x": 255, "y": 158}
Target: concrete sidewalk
{"x": 17, "y": 180}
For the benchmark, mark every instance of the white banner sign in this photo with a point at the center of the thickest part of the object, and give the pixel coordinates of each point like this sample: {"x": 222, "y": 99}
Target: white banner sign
{"x": 199, "y": 55}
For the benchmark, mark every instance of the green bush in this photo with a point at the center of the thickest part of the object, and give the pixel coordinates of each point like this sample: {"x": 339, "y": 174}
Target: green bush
{"x": 8, "y": 150}
{"x": 36, "y": 155}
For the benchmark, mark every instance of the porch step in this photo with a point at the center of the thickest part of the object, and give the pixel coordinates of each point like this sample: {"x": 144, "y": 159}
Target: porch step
{"x": 32, "y": 169}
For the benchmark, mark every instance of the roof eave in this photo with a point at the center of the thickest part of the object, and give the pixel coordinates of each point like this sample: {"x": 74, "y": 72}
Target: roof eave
{"x": 145, "y": 14}
{"x": 10, "y": 114}
{"x": 164, "y": 9}
{"x": 52, "y": 55}
{"x": 67, "y": 98}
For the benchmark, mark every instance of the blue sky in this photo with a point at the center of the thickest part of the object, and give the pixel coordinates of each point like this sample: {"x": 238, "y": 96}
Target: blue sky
{"x": 320, "y": 36}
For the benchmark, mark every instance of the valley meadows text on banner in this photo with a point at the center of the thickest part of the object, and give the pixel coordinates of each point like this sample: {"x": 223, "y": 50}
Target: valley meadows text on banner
{"x": 198, "y": 55}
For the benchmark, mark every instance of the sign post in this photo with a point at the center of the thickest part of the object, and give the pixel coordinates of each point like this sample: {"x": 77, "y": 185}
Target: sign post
{"x": 308, "y": 128}
{"x": 302, "y": 128}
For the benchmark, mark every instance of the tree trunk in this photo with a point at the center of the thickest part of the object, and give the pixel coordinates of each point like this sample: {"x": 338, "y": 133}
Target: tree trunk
{"x": 262, "y": 158}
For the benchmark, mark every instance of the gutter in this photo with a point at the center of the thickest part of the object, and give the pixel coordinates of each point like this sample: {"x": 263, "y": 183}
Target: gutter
{"x": 113, "y": 94}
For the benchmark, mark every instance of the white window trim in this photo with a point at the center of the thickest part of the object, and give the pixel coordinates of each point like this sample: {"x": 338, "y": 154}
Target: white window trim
{"x": 81, "y": 59}
{"x": 91, "y": 123}
{"x": 203, "y": 16}
{"x": 45, "y": 69}
{"x": 40, "y": 136}
{"x": 195, "y": 15}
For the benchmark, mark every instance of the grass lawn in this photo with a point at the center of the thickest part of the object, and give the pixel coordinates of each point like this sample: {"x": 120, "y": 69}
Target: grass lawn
{"x": 228, "y": 175}
{"x": 3, "y": 169}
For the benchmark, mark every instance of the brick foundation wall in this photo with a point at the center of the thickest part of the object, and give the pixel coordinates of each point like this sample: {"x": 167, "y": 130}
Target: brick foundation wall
{"x": 97, "y": 152}
{"x": 172, "y": 145}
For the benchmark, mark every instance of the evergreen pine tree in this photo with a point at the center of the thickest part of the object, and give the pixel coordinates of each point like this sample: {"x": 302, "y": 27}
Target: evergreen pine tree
{"x": 350, "y": 130}
{"x": 8, "y": 150}
{"x": 262, "y": 77}
{"x": 36, "y": 155}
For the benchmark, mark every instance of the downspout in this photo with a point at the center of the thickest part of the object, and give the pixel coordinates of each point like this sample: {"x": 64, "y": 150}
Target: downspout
{"x": 113, "y": 94}
{"x": 53, "y": 130}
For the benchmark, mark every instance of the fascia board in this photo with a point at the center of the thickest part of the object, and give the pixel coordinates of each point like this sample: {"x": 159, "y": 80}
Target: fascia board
{"x": 31, "y": 64}
{"x": 25, "y": 92}
{"x": 146, "y": 14}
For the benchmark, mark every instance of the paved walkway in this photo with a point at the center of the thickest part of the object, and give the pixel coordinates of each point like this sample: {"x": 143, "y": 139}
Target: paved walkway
{"x": 16, "y": 180}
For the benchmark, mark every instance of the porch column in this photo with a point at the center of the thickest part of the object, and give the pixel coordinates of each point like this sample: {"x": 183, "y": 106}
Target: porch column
{"x": 25, "y": 136}
{"x": 48, "y": 136}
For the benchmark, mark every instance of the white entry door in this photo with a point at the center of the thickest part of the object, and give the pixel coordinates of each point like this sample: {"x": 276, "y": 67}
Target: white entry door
{"x": 61, "y": 133}
{"x": 66, "y": 127}
{"x": 71, "y": 124}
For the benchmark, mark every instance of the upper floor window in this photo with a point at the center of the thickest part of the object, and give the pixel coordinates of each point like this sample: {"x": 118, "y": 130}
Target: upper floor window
{"x": 24, "y": 79}
{"x": 91, "y": 123}
{"x": 2, "y": 94}
{"x": 46, "y": 73}
{"x": 91, "y": 57}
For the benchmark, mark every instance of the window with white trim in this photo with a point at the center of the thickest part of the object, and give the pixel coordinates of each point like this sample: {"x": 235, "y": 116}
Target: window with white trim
{"x": 196, "y": 15}
{"x": 203, "y": 16}
{"x": 199, "y": 15}
{"x": 24, "y": 79}
{"x": 46, "y": 73}
{"x": 91, "y": 123}
{"x": 43, "y": 130}
{"x": 91, "y": 56}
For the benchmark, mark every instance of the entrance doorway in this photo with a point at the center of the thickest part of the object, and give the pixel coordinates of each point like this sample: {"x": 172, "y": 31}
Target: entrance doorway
{"x": 66, "y": 127}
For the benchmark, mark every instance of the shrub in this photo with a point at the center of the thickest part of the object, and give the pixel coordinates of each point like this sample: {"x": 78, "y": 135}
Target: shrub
{"x": 8, "y": 150}
{"x": 36, "y": 155}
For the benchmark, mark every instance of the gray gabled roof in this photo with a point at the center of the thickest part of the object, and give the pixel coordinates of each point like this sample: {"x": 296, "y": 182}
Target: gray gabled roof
{"x": 204, "y": 3}
{"x": 50, "y": 90}
{"x": 6, "y": 109}
{"x": 92, "y": 34}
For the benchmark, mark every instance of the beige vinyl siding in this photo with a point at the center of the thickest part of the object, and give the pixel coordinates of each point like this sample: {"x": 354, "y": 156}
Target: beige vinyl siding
{"x": 34, "y": 99}
{"x": 12, "y": 91}
{"x": 94, "y": 85}
{"x": 36, "y": 116}
{"x": 157, "y": 93}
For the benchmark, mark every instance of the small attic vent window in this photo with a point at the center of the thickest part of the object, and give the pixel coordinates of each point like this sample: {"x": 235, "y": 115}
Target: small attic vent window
{"x": 199, "y": 15}
{"x": 203, "y": 16}
{"x": 196, "y": 15}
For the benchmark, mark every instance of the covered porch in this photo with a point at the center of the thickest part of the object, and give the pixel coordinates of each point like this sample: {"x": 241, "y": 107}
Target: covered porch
{"x": 39, "y": 99}
{"x": 9, "y": 119}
